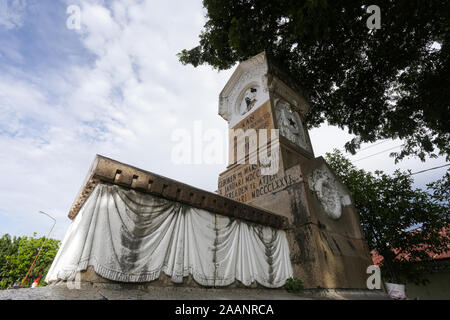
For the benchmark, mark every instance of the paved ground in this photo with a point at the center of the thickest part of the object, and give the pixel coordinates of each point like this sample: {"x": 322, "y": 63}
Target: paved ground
{"x": 88, "y": 291}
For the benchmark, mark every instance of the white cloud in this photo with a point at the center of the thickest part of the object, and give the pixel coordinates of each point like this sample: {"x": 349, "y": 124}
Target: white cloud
{"x": 11, "y": 13}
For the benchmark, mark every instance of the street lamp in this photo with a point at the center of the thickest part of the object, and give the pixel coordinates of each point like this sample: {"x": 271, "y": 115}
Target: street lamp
{"x": 45, "y": 241}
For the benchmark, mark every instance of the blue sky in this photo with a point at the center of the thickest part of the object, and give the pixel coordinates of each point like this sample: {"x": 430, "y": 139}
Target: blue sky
{"x": 116, "y": 88}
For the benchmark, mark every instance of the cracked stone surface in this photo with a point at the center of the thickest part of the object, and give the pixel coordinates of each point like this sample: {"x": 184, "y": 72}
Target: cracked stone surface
{"x": 91, "y": 291}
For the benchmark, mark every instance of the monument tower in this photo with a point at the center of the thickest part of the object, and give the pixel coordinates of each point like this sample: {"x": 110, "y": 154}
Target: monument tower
{"x": 326, "y": 243}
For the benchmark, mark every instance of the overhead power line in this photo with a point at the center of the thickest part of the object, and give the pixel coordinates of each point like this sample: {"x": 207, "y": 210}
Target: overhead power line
{"x": 445, "y": 165}
{"x": 369, "y": 156}
{"x": 386, "y": 150}
{"x": 373, "y": 145}
{"x": 368, "y": 147}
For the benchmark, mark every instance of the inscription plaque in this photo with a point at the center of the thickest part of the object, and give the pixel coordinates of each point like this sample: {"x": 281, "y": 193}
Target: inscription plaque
{"x": 245, "y": 183}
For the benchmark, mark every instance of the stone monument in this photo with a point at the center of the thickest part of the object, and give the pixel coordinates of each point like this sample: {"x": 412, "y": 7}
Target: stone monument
{"x": 327, "y": 248}
{"x": 269, "y": 220}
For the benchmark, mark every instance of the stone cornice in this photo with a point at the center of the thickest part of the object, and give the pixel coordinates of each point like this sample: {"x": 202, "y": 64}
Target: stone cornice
{"x": 111, "y": 171}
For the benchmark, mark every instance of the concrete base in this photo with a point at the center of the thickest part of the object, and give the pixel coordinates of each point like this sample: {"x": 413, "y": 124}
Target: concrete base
{"x": 108, "y": 291}
{"x": 163, "y": 281}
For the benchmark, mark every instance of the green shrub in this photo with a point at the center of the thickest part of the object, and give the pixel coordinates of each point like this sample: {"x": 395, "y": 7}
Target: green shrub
{"x": 294, "y": 285}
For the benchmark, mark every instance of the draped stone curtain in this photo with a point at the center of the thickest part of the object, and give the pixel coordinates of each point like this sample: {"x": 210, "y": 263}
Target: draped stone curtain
{"x": 132, "y": 237}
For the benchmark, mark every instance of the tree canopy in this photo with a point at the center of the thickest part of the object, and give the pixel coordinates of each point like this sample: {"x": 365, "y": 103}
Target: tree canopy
{"x": 401, "y": 223}
{"x": 385, "y": 83}
{"x": 17, "y": 255}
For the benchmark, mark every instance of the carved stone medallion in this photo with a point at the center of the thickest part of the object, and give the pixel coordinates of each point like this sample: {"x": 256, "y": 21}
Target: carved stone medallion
{"x": 330, "y": 194}
{"x": 290, "y": 124}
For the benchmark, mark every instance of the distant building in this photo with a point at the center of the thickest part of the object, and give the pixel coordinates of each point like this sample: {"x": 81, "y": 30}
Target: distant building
{"x": 438, "y": 286}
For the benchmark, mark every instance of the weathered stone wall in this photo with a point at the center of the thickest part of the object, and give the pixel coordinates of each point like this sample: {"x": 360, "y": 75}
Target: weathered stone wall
{"x": 325, "y": 253}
